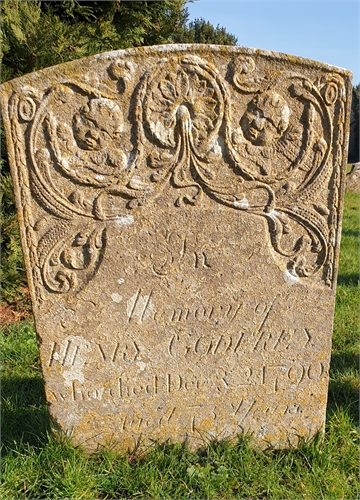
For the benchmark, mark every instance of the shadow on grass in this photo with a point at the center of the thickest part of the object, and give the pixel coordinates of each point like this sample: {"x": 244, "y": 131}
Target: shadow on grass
{"x": 343, "y": 386}
{"x": 351, "y": 279}
{"x": 350, "y": 232}
{"x": 24, "y": 416}
{"x": 348, "y": 400}
{"x": 343, "y": 361}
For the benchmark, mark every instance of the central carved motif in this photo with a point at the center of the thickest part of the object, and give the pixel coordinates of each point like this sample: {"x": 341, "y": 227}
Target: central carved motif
{"x": 183, "y": 110}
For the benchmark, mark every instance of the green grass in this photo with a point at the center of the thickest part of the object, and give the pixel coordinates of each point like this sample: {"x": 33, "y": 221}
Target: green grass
{"x": 37, "y": 464}
{"x": 344, "y": 383}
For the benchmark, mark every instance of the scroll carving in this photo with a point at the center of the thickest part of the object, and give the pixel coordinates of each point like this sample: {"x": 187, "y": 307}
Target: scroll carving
{"x": 118, "y": 145}
{"x": 70, "y": 257}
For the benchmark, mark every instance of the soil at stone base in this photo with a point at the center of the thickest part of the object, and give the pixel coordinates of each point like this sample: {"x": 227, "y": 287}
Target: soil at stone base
{"x": 16, "y": 311}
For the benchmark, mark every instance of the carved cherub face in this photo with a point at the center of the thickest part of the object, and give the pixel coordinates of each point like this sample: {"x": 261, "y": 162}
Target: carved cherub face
{"x": 96, "y": 124}
{"x": 266, "y": 119}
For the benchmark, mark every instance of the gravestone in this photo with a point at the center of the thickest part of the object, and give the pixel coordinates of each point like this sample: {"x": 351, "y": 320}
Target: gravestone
{"x": 353, "y": 179}
{"x": 180, "y": 213}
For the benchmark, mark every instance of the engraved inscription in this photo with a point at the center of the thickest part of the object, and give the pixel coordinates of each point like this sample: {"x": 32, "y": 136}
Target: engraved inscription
{"x": 245, "y": 341}
{"x": 274, "y": 378}
{"x": 139, "y": 307}
{"x": 114, "y": 353}
{"x": 215, "y": 313}
{"x": 71, "y": 354}
{"x": 171, "y": 251}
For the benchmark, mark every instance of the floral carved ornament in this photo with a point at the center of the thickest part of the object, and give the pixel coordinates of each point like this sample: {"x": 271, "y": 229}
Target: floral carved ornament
{"x": 272, "y": 156}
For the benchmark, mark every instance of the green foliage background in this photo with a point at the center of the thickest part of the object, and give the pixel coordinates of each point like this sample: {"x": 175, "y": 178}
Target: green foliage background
{"x": 38, "y": 34}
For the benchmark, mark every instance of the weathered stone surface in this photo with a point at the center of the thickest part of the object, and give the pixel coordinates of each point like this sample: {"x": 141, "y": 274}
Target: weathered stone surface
{"x": 353, "y": 179}
{"x": 180, "y": 211}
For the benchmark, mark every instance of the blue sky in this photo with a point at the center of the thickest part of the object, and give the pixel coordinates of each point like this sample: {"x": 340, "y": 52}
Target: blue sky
{"x": 327, "y": 31}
